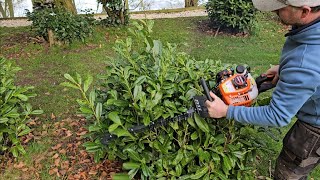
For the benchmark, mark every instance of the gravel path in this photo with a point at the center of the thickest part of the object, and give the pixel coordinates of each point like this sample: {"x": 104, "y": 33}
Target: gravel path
{"x": 201, "y": 12}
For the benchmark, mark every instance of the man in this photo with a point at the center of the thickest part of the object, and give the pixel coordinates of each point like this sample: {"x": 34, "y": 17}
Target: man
{"x": 297, "y": 90}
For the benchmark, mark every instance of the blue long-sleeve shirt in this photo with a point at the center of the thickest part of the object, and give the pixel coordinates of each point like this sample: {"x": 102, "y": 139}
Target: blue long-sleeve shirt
{"x": 298, "y": 89}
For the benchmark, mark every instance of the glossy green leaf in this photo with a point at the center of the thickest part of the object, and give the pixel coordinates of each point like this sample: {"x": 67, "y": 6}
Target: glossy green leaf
{"x": 134, "y": 155}
{"x": 70, "y": 78}
{"x": 37, "y": 112}
{"x": 24, "y": 132}
{"x": 68, "y": 84}
{"x": 194, "y": 135}
{"x": 130, "y": 165}
{"x": 113, "y": 116}
{"x": 113, "y": 127}
{"x": 87, "y": 83}
{"x": 178, "y": 157}
{"x": 201, "y": 123}
{"x": 22, "y": 97}
{"x": 120, "y": 176}
{"x": 121, "y": 132}
{"x": 98, "y": 111}
{"x": 199, "y": 173}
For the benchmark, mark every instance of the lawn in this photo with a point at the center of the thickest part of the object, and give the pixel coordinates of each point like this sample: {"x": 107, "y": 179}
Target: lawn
{"x": 43, "y": 67}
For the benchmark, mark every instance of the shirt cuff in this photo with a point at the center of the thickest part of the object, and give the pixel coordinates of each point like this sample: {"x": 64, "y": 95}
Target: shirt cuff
{"x": 230, "y": 112}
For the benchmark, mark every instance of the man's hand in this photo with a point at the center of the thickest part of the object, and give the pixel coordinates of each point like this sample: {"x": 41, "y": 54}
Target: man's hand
{"x": 217, "y": 108}
{"x": 274, "y": 71}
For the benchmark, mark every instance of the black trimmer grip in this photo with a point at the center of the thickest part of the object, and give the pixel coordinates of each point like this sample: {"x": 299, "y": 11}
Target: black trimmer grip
{"x": 206, "y": 89}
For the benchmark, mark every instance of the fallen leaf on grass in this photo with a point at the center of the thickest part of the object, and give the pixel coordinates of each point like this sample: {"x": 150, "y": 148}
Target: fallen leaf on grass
{"x": 25, "y": 169}
{"x": 19, "y": 166}
{"x": 52, "y": 171}
{"x": 55, "y": 156}
{"x": 57, "y": 162}
{"x": 53, "y": 116}
{"x": 81, "y": 133}
{"x": 85, "y": 161}
{"x": 63, "y": 151}
{"x": 57, "y": 146}
{"x": 68, "y": 133}
{"x": 93, "y": 172}
{"x": 33, "y": 122}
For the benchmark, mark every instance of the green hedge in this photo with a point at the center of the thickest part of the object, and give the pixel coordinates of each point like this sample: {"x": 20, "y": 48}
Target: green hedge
{"x": 236, "y": 14}
{"x": 15, "y": 110}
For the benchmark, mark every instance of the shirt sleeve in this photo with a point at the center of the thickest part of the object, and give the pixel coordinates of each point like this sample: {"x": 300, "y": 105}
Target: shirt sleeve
{"x": 295, "y": 86}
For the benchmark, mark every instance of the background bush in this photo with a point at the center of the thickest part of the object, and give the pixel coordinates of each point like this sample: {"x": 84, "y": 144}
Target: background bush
{"x": 66, "y": 26}
{"x": 147, "y": 81}
{"x": 15, "y": 110}
{"x": 117, "y": 12}
{"x": 236, "y": 14}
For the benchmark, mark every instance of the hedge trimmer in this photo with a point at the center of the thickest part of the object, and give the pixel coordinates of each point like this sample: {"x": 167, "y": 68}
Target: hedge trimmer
{"x": 237, "y": 89}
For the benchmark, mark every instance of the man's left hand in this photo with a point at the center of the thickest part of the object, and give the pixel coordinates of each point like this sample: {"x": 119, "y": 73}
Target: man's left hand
{"x": 217, "y": 108}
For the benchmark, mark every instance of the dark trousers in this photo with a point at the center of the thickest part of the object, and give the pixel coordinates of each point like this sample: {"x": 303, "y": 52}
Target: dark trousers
{"x": 300, "y": 153}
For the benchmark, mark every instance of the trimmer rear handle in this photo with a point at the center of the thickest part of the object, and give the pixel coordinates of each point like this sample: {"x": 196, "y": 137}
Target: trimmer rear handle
{"x": 264, "y": 82}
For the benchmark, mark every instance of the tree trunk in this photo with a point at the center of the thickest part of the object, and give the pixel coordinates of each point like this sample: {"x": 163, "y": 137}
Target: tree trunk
{"x": 3, "y": 12}
{"x": 122, "y": 16}
{"x": 190, "y": 3}
{"x": 51, "y": 38}
{"x": 67, "y": 4}
{"x": 10, "y": 7}
{"x": 126, "y": 5}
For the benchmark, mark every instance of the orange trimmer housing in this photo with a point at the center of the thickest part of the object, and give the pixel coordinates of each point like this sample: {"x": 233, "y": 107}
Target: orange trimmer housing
{"x": 238, "y": 90}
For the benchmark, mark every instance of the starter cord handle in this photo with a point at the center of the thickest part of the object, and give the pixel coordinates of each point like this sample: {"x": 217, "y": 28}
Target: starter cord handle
{"x": 206, "y": 89}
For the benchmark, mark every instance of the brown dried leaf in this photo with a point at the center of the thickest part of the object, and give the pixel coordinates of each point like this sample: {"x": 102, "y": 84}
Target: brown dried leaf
{"x": 57, "y": 162}
{"x": 74, "y": 124}
{"x": 44, "y": 133}
{"x": 92, "y": 172}
{"x": 32, "y": 123}
{"x": 69, "y": 133}
{"x": 63, "y": 172}
{"x": 103, "y": 174}
{"x": 77, "y": 176}
{"x": 85, "y": 161}
{"x": 82, "y": 133}
{"x": 53, "y": 116}
{"x": 63, "y": 151}
{"x": 19, "y": 166}
{"x": 65, "y": 165}
{"x": 25, "y": 169}
{"x": 52, "y": 171}
{"x": 55, "y": 156}
{"x": 57, "y": 146}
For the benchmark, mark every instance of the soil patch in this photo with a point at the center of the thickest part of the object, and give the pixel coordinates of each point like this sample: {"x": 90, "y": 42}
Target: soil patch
{"x": 214, "y": 29}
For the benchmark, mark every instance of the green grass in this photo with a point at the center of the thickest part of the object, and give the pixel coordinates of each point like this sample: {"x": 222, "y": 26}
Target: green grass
{"x": 44, "y": 67}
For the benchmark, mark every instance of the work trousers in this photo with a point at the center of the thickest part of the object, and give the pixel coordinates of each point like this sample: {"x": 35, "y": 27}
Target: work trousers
{"x": 300, "y": 153}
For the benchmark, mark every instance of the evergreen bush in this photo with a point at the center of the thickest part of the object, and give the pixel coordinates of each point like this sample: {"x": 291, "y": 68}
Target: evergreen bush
{"x": 236, "y": 14}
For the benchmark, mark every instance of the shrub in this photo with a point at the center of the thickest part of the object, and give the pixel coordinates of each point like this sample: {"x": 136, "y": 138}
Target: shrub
{"x": 117, "y": 12}
{"x": 15, "y": 110}
{"x": 65, "y": 26}
{"x": 236, "y": 14}
{"x": 148, "y": 81}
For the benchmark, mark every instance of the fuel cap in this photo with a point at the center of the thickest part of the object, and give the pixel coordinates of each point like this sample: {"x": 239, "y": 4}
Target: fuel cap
{"x": 240, "y": 69}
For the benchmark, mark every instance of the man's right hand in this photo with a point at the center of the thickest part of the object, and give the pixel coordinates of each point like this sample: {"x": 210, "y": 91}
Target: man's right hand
{"x": 274, "y": 71}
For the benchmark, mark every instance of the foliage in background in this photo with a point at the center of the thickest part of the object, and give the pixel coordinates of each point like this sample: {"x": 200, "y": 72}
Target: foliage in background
{"x": 15, "y": 110}
{"x": 69, "y": 5}
{"x": 117, "y": 11}
{"x": 148, "y": 81}
{"x": 65, "y": 26}
{"x": 236, "y": 14}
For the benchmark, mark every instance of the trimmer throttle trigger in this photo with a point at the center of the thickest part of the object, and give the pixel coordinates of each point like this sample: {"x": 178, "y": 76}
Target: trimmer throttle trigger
{"x": 206, "y": 89}
{"x": 264, "y": 82}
